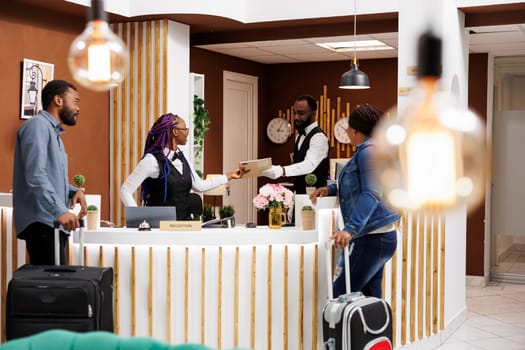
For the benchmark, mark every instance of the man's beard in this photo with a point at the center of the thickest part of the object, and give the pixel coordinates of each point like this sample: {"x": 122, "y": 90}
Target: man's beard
{"x": 67, "y": 117}
{"x": 304, "y": 124}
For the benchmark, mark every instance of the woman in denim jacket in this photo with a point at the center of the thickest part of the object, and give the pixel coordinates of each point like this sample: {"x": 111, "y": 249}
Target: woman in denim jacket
{"x": 369, "y": 225}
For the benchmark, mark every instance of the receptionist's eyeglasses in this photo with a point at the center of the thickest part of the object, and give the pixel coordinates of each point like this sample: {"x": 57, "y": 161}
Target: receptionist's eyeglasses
{"x": 182, "y": 129}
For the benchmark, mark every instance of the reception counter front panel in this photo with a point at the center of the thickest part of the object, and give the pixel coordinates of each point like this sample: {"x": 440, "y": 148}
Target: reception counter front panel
{"x": 261, "y": 288}
{"x": 251, "y": 288}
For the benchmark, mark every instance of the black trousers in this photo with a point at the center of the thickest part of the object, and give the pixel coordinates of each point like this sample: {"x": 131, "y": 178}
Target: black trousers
{"x": 40, "y": 244}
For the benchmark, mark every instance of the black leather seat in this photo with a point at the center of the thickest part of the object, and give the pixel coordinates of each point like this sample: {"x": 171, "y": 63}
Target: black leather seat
{"x": 194, "y": 206}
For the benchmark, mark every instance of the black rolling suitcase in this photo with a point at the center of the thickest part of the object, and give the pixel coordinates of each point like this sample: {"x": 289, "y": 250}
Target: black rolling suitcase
{"x": 354, "y": 321}
{"x": 76, "y": 298}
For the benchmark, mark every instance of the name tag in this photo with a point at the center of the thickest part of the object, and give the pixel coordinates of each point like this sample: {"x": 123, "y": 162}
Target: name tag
{"x": 176, "y": 225}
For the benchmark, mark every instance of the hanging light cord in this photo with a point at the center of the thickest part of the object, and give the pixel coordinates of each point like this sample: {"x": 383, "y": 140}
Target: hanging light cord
{"x": 355, "y": 29}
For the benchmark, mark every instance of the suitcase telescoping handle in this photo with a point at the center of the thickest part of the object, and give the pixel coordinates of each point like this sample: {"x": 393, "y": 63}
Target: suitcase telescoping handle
{"x": 56, "y": 225}
{"x": 346, "y": 251}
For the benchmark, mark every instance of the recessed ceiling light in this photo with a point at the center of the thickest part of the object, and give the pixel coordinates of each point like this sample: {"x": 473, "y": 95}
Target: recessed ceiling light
{"x": 361, "y": 45}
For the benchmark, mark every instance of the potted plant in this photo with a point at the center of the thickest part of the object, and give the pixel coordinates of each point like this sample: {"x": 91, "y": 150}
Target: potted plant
{"x": 79, "y": 180}
{"x": 207, "y": 212}
{"x": 226, "y": 211}
{"x": 92, "y": 217}
{"x": 226, "y": 214}
{"x": 201, "y": 121}
{"x": 311, "y": 180}
{"x": 308, "y": 217}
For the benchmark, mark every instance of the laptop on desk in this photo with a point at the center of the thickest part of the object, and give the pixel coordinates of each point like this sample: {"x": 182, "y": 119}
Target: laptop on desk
{"x": 153, "y": 215}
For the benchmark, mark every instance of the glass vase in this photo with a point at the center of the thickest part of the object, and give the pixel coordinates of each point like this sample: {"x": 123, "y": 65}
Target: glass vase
{"x": 276, "y": 217}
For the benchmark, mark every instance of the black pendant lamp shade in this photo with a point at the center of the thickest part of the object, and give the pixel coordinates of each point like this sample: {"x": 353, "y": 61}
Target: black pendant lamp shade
{"x": 354, "y": 79}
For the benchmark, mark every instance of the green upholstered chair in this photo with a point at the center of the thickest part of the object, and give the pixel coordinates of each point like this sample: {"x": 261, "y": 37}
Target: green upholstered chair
{"x": 58, "y": 339}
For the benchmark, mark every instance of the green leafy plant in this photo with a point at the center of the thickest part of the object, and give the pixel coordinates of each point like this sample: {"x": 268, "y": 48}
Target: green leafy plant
{"x": 201, "y": 121}
{"x": 207, "y": 212}
{"x": 307, "y": 207}
{"x": 226, "y": 211}
{"x": 310, "y": 179}
{"x": 79, "y": 180}
{"x": 92, "y": 207}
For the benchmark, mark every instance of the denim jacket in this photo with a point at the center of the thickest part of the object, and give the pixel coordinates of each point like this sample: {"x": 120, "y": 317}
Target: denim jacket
{"x": 360, "y": 198}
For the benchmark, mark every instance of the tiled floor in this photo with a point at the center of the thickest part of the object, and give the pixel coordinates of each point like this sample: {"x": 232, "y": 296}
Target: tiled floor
{"x": 495, "y": 316}
{"x": 514, "y": 262}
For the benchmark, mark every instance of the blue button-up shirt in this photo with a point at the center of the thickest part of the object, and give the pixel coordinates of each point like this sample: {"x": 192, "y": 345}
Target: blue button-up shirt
{"x": 41, "y": 191}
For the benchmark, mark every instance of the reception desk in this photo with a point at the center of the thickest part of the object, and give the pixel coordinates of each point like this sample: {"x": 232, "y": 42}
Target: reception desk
{"x": 244, "y": 287}
{"x": 260, "y": 288}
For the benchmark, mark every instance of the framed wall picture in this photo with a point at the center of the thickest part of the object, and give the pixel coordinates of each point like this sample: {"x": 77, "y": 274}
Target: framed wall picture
{"x": 35, "y": 75}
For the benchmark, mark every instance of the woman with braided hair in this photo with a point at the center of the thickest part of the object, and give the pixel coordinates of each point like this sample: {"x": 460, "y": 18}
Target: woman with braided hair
{"x": 164, "y": 173}
{"x": 369, "y": 225}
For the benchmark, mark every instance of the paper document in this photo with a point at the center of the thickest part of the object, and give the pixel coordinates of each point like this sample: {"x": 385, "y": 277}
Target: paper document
{"x": 256, "y": 166}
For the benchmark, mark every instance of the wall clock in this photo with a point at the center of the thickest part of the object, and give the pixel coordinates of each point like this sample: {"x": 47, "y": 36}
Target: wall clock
{"x": 278, "y": 130}
{"x": 340, "y": 128}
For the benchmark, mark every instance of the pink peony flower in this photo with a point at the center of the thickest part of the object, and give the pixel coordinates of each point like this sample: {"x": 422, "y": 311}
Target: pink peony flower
{"x": 273, "y": 195}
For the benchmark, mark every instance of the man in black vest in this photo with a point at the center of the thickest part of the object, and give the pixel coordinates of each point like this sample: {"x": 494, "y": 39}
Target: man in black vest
{"x": 311, "y": 150}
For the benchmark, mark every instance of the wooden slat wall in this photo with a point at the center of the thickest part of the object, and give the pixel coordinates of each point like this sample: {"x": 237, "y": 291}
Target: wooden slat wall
{"x": 137, "y": 102}
{"x": 327, "y": 116}
{"x": 419, "y": 313}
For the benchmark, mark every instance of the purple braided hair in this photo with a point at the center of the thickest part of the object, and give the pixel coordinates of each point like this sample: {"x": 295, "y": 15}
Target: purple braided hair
{"x": 159, "y": 137}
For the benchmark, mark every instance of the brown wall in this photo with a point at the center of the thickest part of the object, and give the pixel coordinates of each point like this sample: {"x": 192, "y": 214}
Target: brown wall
{"x": 212, "y": 65}
{"x": 288, "y": 81}
{"x": 477, "y": 97}
{"x": 44, "y": 36}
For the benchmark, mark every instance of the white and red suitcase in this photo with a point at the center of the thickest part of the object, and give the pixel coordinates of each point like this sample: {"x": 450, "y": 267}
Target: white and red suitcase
{"x": 354, "y": 321}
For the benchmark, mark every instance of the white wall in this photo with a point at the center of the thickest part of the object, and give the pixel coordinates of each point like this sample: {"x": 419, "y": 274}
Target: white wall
{"x": 178, "y": 76}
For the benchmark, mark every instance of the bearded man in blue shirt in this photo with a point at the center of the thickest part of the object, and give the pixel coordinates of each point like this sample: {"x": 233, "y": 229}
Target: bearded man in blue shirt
{"x": 41, "y": 190}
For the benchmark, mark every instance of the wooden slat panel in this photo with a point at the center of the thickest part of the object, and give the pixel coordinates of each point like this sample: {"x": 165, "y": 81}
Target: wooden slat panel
{"x": 116, "y": 142}
{"x": 285, "y": 299}
{"x": 101, "y": 256}
{"x": 151, "y": 292}
{"x": 133, "y": 294}
{"x": 186, "y": 292}
{"x": 435, "y": 273}
{"x": 14, "y": 248}
{"x": 165, "y": 67}
{"x": 442, "y": 274}
{"x": 428, "y": 275}
{"x": 203, "y": 295}
{"x": 269, "y": 298}
{"x": 141, "y": 127}
{"x": 168, "y": 295}
{"x": 157, "y": 86}
{"x": 236, "y": 300}
{"x": 413, "y": 274}
{"x": 219, "y": 301}
{"x": 300, "y": 325}
{"x": 421, "y": 278}
{"x": 253, "y": 294}
{"x": 132, "y": 98}
{"x": 116, "y": 308}
{"x": 315, "y": 295}
{"x": 123, "y": 131}
{"x": 404, "y": 279}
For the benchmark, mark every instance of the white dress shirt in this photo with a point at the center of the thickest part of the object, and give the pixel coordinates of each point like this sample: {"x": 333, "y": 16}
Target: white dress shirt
{"x": 149, "y": 167}
{"x": 316, "y": 153}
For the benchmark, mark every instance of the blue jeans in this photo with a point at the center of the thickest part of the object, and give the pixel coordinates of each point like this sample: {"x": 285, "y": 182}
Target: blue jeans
{"x": 367, "y": 260}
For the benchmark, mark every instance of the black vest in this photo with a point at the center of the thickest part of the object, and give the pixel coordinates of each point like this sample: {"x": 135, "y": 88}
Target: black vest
{"x": 322, "y": 169}
{"x": 177, "y": 191}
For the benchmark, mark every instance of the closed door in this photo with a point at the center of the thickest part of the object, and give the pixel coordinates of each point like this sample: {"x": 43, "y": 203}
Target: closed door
{"x": 240, "y": 140}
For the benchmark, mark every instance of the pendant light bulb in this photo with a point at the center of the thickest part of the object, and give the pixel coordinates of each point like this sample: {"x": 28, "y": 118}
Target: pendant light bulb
{"x": 354, "y": 78}
{"x": 433, "y": 155}
{"x": 98, "y": 59}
